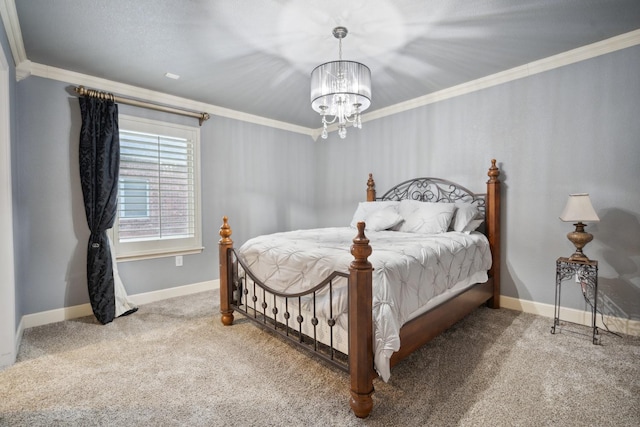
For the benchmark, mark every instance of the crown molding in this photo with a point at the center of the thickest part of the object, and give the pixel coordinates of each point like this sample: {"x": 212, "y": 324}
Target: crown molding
{"x": 583, "y": 53}
{"x": 11, "y": 23}
{"x": 130, "y": 91}
{"x": 24, "y": 68}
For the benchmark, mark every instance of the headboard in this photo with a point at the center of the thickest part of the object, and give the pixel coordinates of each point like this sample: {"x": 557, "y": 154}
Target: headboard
{"x": 440, "y": 190}
{"x": 435, "y": 190}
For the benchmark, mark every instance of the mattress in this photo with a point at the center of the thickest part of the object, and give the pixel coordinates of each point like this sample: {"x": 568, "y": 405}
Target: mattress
{"x": 412, "y": 272}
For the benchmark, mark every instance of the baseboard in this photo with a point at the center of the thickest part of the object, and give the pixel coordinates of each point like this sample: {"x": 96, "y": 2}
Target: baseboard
{"x": 179, "y": 291}
{"x": 581, "y": 317}
{"x": 82, "y": 310}
{"x": 616, "y": 324}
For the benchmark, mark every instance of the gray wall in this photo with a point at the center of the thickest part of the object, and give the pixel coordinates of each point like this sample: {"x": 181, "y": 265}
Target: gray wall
{"x": 574, "y": 129}
{"x": 262, "y": 178}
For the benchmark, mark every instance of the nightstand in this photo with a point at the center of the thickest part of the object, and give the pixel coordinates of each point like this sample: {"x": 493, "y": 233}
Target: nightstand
{"x": 586, "y": 276}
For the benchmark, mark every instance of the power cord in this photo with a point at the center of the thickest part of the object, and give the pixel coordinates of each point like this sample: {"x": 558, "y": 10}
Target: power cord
{"x": 583, "y": 285}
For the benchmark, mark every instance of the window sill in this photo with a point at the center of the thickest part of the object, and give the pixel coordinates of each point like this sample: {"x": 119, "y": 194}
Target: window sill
{"x": 127, "y": 258}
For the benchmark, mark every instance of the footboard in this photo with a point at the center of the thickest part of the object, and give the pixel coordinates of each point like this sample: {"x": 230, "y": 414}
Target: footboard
{"x": 308, "y": 319}
{"x": 286, "y": 313}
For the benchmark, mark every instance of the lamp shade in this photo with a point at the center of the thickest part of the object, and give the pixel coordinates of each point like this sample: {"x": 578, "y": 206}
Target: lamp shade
{"x": 579, "y": 209}
{"x": 340, "y": 84}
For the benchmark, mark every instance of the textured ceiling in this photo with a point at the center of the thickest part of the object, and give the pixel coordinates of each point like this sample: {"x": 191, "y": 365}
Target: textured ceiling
{"x": 255, "y": 56}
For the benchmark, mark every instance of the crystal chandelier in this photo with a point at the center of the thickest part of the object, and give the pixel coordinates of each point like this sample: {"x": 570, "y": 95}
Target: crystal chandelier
{"x": 340, "y": 90}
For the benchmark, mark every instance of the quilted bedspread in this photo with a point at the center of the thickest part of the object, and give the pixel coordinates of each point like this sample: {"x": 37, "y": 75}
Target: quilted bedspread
{"x": 409, "y": 270}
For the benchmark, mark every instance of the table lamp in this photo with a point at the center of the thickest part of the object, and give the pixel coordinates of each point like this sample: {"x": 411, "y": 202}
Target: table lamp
{"x": 579, "y": 210}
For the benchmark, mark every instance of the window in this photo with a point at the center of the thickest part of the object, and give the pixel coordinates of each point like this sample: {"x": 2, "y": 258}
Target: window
{"x": 133, "y": 199}
{"x": 158, "y": 190}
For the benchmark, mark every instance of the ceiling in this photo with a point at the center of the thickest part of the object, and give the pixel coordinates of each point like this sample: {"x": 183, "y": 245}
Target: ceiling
{"x": 255, "y": 56}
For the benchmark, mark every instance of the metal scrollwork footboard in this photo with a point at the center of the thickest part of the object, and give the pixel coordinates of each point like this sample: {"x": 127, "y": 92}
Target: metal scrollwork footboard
{"x": 293, "y": 316}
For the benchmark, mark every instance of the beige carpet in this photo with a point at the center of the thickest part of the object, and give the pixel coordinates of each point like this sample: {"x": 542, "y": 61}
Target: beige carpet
{"x": 173, "y": 364}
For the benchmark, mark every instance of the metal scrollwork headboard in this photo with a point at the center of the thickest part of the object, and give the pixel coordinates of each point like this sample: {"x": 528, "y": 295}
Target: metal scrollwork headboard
{"x": 435, "y": 190}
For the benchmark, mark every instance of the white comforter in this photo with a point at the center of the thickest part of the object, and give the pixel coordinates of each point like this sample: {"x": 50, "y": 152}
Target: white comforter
{"x": 409, "y": 270}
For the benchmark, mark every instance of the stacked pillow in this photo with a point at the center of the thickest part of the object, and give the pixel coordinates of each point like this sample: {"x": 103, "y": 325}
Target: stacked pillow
{"x": 465, "y": 217}
{"x": 425, "y": 217}
{"x": 377, "y": 215}
{"x": 412, "y": 216}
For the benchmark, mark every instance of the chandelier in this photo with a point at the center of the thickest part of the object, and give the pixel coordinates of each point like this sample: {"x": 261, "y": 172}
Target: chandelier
{"x": 340, "y": 90}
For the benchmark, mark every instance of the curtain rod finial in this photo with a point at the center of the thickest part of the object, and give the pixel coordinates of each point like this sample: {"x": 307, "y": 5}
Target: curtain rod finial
{"x": 203, "y": 118}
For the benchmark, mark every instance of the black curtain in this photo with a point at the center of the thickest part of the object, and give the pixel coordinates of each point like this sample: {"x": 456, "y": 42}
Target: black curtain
{"x": 99, "y": 168}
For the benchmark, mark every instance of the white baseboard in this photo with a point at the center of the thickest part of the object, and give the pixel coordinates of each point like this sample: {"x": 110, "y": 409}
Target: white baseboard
{"x": 616, "y": 324}
{"x": 179, "y": 291}
{"x": 581, "y": 317}
{"x": 82, "y": 310}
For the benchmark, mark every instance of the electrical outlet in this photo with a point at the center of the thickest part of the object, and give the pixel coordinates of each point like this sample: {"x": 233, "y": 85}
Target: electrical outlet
{"x": 178, "y": 260}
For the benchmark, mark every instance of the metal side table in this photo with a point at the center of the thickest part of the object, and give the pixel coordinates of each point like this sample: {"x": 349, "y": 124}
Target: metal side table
{"x": 586, "y": 274}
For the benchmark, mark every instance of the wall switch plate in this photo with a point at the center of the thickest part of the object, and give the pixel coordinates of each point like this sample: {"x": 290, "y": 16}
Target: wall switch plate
{"x": 178, "y": 260}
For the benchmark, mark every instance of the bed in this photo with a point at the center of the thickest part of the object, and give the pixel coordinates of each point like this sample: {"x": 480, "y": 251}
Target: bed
{"x": 425, "y": 254}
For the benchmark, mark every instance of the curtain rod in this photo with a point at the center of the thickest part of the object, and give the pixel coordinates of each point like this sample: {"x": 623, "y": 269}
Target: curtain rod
{"x": 106, "y": 95}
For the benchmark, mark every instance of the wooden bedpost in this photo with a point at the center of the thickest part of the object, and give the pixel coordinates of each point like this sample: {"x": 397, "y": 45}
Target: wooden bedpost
{"x": 371, "y": 189}
{"x": 224, "y": 244}
{"x": 361, "y": 325}
{"x": 493, "y": 230}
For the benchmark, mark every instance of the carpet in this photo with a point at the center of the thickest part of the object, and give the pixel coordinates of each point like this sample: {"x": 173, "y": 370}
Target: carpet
{"x": 173, "y": 364}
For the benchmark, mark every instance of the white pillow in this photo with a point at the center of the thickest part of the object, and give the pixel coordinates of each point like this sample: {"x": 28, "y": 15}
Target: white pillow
{"x": 473, "y": 225}
{"x": 465, "y": 212}
{"x": 383, "y": 219}
{"x": 367, "y": 208}
{"x": 425, "y": 217}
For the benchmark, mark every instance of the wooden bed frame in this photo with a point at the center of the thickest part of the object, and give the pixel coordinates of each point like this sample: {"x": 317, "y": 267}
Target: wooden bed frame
{"x": 414, "y": 333}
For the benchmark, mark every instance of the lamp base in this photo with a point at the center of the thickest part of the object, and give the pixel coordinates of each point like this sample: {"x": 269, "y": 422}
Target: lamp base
{"x": 579, "y": 238}
{"x": 579, "y": 256}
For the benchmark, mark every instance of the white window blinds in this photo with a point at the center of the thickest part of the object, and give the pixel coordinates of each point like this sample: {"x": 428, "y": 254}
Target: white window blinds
{"x": 158, "y": 192}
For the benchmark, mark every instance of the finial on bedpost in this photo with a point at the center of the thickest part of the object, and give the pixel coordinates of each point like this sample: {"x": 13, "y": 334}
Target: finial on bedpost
{"x": 224, "y": 245}
{"x": 225, "y": 231}
{"x": 361, "y": 326}
{"x": 494, "y": 172}
{"x": 360, "y": 249}
{"x": 371, "y": 189}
